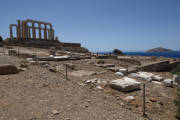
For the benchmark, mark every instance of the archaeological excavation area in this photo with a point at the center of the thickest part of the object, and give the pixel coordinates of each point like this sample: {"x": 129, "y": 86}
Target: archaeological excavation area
{"x": 43, "y": 78}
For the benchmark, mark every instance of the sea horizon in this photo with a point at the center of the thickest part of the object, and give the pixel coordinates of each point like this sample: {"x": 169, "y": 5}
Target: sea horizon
{"x": 174, "y": 54}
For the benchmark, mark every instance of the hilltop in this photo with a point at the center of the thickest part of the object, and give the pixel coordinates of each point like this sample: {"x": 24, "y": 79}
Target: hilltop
{"x": 159, "y": 49}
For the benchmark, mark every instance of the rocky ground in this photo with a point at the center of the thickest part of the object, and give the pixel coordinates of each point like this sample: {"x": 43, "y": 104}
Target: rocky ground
{"x": 37, "y": 93}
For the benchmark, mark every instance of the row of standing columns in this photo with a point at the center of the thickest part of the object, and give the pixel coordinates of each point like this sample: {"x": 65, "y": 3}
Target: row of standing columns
{"x": 24, "y": 31}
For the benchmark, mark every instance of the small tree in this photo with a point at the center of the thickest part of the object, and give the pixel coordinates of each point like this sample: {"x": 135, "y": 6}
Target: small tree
{"x": 1, "y": 39}
{"x": 176, "y": 71}
{"x": 117, "y": 52}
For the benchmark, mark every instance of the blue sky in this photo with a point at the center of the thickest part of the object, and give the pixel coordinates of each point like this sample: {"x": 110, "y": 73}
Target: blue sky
{"x": 102, "y": 25}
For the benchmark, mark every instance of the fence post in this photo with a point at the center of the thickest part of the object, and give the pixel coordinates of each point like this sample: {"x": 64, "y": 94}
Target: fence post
{"x": 66, "y": 72}
{"x": 144, "y": 101}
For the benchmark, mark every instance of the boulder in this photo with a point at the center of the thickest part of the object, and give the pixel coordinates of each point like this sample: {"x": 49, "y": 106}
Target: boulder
{"x": 123, "y": 70}
{"x": 168, "y": 83}
{"x": 143, "y": 75}
{"x": 8, "y": 69}
{"x": 113, "y": 69}
{"x": 61, "y": 58}
{"x": 125, "y": 84}
{"x": 119, "y": 73}
{"x": 176, "y": 79}
{"x": 157, "y": 78}
{"x": 129, "y": 98}
{"x": 54, "y": 58}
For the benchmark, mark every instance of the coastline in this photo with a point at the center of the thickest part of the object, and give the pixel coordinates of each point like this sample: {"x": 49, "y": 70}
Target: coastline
{"x": 174, "y": 54}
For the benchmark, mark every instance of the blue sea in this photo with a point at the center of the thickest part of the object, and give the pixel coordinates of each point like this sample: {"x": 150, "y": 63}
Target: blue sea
{"x": 163, "y": 54}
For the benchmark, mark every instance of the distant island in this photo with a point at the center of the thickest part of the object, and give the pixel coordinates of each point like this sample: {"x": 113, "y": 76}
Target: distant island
{"x": 159, "y": 49}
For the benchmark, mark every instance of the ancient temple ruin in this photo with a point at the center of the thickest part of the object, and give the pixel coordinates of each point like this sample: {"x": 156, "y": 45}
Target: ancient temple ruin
{"x": 31, "y": 29}
{"x": 32, "y": 33}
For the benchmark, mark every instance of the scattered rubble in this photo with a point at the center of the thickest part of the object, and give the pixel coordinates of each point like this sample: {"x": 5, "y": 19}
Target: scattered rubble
{"x": 119, "y": 73}
{"x": 168, "y": 83}
{"x": 147, "y": 76}
{"x": 125, "y": 84}
{"x": 129, "y": 98}
{"x": 81, "y": 73}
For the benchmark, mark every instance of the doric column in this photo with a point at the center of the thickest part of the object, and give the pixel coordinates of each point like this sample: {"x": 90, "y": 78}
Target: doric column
{"x": 11, "y": 32}
{"x": 19, "y": 29}
{"x": 52, "y": 34}
{"x": 33, "y": 31}
{"x": 49, "y": 36}
{"x": 39, "y": 24}
{"x": 29, "y": 32}
{"x": 45, "y": 31}
{"x": 23, "y": 27}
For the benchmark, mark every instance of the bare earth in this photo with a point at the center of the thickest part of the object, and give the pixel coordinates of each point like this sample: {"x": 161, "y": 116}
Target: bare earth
{"x": 39, "y": 94}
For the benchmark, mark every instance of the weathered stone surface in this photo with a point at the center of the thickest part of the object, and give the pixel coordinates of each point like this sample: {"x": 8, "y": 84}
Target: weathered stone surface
{"x": 55, "y": 112}
{"x": 129, "y": 59}
{"x": 12, "y": 52}
{"x": 123, "y": 70}
{"x": 143, "y": 75}
{"x": 8, "y": 69}
{"x": 81, "y": 73}
{"x": 168, "y": 83}
{"x": 105, "y": 65}
{"x": 129, "y": 98}
{"x": 176, "y": 79}
{"x": 157, "y": 78}
{"x": 156, "y": 82}
{"x": 70, "y": 65}
{"x": 119, "y": 73}
{"x": 101, "y": 62}
{"x": 52, "y": 69}
{"x": 113, "y": 69}
{"x": 125, "y": 84}
{"x": 102, "y": 57}
{"x": 155, "y": 67}
{"x": 54, "y": 58}
{"x": 61, "y": 58}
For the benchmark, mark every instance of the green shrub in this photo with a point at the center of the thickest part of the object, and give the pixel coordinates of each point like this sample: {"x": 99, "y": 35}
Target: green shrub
{"x": 117, "y": 52}
{"x": 177, "y": 103}
{"x": 176, "y": 70}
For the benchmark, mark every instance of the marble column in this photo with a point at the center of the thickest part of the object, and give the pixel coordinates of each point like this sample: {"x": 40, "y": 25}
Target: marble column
{"x": 45, "y": 31}
{"x": 19, "y": 29}
{"x": 26, "y": 30}
{"x": 29, "y": 32}
{"x": 11, "y": 32}
{"x": 49, "y": 34}
{"x": 23, "y": 27}
{"x": 33, "y": 31}
{"x": 39, "y": 24}
{"x": 52, "y": 34}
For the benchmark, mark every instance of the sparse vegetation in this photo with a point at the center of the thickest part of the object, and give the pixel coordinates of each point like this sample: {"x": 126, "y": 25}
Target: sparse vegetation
{"x": 176, "y": 70}
{"x": 117, "y": 52}
{"x": 177, "y": 103}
